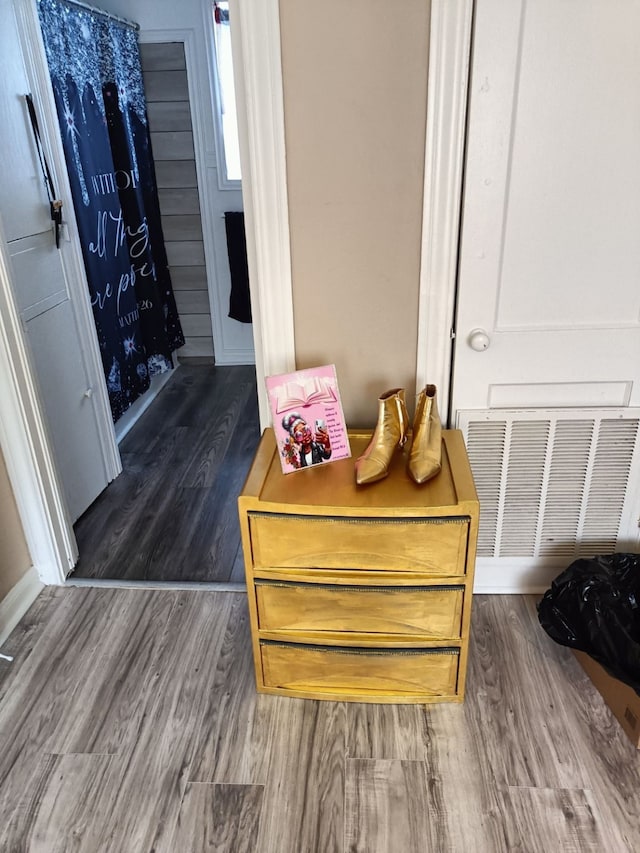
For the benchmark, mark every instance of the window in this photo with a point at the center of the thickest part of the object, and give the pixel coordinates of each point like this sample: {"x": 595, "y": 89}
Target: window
{"x": 226, "y": 91}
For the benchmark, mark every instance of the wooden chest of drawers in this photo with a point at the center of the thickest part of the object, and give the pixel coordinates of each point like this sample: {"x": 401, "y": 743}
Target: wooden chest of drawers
{"x": 360, "y": 593}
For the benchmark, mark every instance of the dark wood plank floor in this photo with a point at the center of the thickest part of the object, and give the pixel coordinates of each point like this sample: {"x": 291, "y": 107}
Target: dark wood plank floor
{"x": 172, "y": 513}
{"x": 130, "y": 724}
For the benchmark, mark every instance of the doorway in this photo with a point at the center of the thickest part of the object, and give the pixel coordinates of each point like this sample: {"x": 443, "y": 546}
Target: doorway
{"x": 30, "y": 462}
{"x": 173, "y": 435}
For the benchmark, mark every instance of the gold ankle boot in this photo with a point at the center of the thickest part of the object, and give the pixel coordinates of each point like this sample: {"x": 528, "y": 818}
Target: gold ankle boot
{"x": 426, "y": 447}
{"x": 390, "y": 432}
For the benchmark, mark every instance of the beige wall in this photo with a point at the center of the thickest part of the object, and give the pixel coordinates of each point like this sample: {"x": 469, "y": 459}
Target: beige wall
{"x": 355, "y": 97}
{"x": 14, "y": 555}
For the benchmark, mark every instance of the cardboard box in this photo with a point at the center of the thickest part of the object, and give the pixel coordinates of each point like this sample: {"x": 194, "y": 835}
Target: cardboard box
{"x": 622, "y": 699}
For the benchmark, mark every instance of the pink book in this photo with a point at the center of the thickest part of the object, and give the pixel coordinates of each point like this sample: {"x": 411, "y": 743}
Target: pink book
{"x": 307, "y": 417}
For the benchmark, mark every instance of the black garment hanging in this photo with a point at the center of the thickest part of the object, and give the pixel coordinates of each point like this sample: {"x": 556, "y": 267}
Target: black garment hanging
{"x": 239, "y": 299}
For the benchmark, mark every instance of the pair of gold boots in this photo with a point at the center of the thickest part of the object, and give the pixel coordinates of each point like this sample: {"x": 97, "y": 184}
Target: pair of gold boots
{"x": 425, "y": 455}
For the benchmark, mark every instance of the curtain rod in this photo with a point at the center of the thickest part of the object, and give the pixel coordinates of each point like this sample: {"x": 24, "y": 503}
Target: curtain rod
{"x": 124, "y": 21}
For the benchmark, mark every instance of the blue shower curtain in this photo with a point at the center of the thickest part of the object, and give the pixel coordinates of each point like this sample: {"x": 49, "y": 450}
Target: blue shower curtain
{"x": 96, "y": 75}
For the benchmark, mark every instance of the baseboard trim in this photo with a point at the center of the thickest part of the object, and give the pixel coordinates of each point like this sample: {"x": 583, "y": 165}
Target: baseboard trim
{"x": 17, "y": 601}
{"x": 512, "y": 579}
{"x": 230, "y": 357}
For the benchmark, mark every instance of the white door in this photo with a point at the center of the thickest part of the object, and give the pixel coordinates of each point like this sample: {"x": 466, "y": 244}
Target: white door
{"x": 547, "y": 349}
{"x": 42, "y": 293}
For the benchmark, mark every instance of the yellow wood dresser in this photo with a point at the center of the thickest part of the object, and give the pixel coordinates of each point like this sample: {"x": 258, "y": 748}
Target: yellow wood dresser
{"x": 360, "y": 593}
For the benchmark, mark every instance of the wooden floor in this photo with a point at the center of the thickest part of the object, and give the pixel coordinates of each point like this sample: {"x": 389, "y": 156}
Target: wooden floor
{"x": 172, "y": 514}
{"x": 129, "y": 722}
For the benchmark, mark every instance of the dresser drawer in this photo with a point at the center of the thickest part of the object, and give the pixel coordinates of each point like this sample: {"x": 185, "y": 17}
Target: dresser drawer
{"x": 425, "y": 545}
{"x": 435, "y": 611}
{"x": 336, "y": 670}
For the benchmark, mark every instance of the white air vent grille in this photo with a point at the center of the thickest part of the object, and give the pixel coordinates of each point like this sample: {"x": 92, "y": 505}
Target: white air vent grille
{"x": 553, "y": 483}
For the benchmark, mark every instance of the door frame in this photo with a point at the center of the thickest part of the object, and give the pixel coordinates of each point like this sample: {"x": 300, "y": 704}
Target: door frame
{"x": 23, "y": 436}
{"x": 257, "y": 62}
{"x": 447, "y": 95}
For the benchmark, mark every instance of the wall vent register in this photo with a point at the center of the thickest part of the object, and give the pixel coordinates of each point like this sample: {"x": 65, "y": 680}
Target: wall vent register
{"x": 554, "y": 484}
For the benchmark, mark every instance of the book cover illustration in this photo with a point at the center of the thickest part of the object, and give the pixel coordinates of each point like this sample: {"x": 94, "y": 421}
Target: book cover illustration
{"x": 307, "y": 417}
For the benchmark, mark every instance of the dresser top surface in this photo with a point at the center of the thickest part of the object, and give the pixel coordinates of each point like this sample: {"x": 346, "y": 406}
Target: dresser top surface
{"x": 332, "y": 485}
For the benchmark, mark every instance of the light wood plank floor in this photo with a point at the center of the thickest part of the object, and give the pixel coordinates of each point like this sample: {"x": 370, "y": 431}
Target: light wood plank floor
{"x": 172, "y": 515}
{"x": 130, "y": 724}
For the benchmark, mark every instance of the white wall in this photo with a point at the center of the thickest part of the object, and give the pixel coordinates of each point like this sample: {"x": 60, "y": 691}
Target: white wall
{"x": 189, "y": 20}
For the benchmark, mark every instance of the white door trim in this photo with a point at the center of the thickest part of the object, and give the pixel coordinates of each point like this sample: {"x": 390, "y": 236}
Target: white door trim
{"x": 255, "y": 31}
{"x": 449, "y": 58}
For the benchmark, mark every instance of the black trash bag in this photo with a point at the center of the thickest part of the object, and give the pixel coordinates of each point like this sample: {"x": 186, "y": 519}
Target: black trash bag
{"x": 593, "y": 606}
